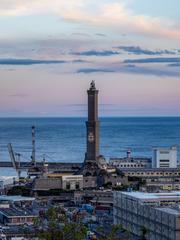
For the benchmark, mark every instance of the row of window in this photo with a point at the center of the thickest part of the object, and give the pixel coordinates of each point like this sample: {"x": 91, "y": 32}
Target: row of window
{"x": 154, "y": 173}
{"x": 130, "y": 165}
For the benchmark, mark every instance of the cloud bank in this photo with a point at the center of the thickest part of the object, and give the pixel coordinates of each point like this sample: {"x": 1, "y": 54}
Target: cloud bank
{"x": 140, "y": 51}
{"x": 153, "y": 60}
{"x": 115, "y": 14}
{"x": 28, "y": 62}
{"x": 104, "y": 53}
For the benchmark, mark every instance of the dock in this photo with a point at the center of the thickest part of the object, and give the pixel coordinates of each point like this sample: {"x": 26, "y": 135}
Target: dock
{"x": 52, "y": 166}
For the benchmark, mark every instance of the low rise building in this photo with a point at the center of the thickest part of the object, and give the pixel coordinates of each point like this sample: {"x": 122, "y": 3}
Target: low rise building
{"x": 155, "y": 178}
{"x": 65, "y": 182}
{"x": 86, "y": 196}
{"x": 72, "y": 182}
{"x": 89, "y": 182}
{"x": 16, "y": 200}
{"x": 16, "y": 216}
{"x": 130, "y": 162}
{"x": 16, "y": 210}
{"x": 152, "y": 172}
{"x": 46, "y": 183}
{"x": 158, "y": 213}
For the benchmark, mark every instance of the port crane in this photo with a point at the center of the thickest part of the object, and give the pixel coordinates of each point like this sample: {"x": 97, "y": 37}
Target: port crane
{"x": 31, "y": 167}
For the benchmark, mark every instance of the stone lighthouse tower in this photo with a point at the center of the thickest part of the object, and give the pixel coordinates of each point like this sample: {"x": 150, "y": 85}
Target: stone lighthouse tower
{"x": 92, "y": 127}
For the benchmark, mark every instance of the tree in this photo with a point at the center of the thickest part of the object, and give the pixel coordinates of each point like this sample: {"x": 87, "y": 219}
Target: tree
{"x": 144, "y": 232}
{"x": 74, "y": 231}
{"x": 54, "y": 226}
{"x": 112, "y": 233}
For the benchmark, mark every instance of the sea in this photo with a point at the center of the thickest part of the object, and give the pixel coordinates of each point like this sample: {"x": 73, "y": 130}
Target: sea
{"x": 64, "y": 139}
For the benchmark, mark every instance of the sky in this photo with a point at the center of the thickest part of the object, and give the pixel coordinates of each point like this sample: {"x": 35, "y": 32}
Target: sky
{"x": 51, "y": 50}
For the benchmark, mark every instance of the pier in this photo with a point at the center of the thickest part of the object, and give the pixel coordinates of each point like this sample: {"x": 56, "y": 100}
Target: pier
{"x": 52, "y": 166}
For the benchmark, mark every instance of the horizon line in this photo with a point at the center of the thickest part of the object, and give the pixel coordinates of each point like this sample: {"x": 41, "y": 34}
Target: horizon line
{"x": 124, "y": 116}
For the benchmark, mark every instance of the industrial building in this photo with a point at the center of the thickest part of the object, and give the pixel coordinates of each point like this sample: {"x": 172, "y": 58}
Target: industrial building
{"x": 158, "y": 213}
{"x": 130, "y": 162}
{"x": 65, "y": 182}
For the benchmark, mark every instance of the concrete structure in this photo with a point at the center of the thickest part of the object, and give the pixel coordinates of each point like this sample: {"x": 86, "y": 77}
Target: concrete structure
{"x": 90, "y": 182}
{"x": 66, "y": 182}
{"x": 165, "y": 157}
{"x": 114, "y": 180}
{"x": 86, "y": 196}
{"x": 45, "y": 184}
{"x": 159, "y": 213}
{"x": 132, "y": 162}
{"x": 72, "y": 182}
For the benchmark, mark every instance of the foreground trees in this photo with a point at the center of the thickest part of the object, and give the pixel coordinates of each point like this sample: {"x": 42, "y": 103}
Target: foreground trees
{"x": 54, "y": 225}
{"x": 114, "y": 232}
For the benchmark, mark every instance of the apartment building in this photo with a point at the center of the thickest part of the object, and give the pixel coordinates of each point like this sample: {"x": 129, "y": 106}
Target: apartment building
{"x": 159, "y": 213}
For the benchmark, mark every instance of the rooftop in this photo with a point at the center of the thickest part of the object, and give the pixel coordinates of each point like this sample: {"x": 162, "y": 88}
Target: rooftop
{"x": 16, "y": 212}
{"x": 147, "y": 159}
{"x": 174, "y": 210}
{"x": 16, "y": 198}
{"x": 153, "y": 196}
{"x": 172, "y": 170}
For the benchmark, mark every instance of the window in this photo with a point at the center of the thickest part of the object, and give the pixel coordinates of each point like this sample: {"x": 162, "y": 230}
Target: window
{"x": 67, "y": 185}
{"x": 164, "y": 152}
{"x": 77, "y": 185}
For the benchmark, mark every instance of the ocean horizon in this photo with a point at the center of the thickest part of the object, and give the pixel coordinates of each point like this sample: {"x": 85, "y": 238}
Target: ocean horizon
{"x": 64, "y": 139}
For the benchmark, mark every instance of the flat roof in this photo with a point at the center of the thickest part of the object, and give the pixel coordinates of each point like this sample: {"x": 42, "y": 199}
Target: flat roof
{"x": 150, "y": 169}
{"x": 174, "y": 210}
{"x": 16, "y": 198}
{"x": 153, "y": 196}
{"x": 16, "y": 212}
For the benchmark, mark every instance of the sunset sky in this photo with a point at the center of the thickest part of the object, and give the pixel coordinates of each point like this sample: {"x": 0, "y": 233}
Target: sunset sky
{"x": 51, "y": 50}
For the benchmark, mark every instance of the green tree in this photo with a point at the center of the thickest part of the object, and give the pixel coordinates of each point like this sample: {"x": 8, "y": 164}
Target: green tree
{"x": 57, "y": 227}
{"x": 112, "y": 233}
{"x": 74, "y": 231}
{"x": 144, "y": 232}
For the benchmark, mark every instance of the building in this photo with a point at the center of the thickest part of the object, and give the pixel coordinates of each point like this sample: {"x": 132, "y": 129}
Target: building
{"x": 90, "y": 182}
{"x": 16, "y": 200}
{"x": 93, "y": 161}
{"x": 152, "y": 172}
{"x": 158, "y": 213}
{"x": 164, "y": 157}
{"x": 92, "y": 126}
{"x": 65, "y": 182}
{"x": 47, "y": 183}
{"x": 88, "y": 196}
{"x": 130, "y": 162}
{"x": 16, "y": 216}
{"x": 72, "y": 182}
{"x": 16, "y": 210}
{"x": 154, "y": 179}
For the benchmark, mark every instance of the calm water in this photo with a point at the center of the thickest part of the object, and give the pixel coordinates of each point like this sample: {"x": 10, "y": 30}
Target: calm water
{"x": 63, "y": 139}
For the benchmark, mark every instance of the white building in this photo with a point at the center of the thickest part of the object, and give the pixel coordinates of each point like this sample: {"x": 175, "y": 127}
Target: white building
{"x": 164, "y": 157}
{"x": 72, "y": 182}
{"x": 159, "y": 213}
{"x": 130, "y": 162}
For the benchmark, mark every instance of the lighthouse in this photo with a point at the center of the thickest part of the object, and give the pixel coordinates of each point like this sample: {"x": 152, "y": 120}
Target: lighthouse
{"x": 92, "y": 126}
